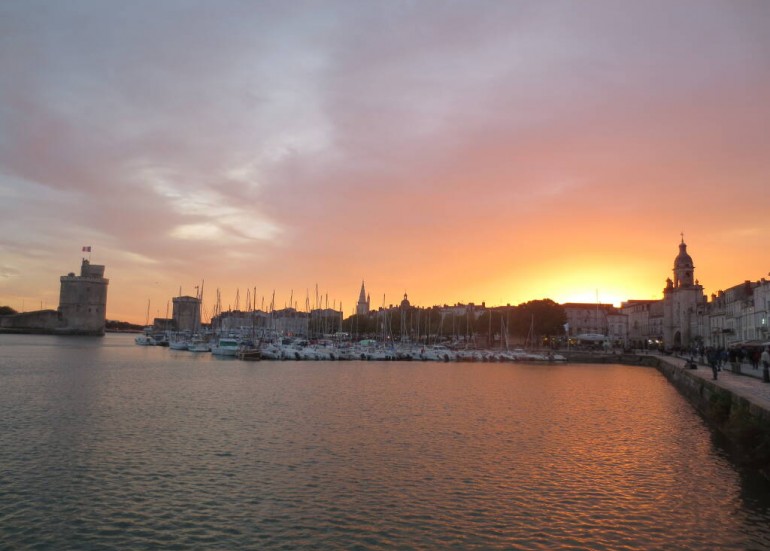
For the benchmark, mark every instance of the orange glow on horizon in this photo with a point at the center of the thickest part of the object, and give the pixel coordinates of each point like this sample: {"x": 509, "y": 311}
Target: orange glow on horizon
{"x": 432, "y": 163}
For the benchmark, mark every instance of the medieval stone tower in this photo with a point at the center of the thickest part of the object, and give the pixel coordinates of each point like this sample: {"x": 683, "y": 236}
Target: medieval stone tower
{"x": 187, "y": 313}
{"x": 362, "y": 308}
{"x": 83, "y": 301}
{"x": 681, "y": 299}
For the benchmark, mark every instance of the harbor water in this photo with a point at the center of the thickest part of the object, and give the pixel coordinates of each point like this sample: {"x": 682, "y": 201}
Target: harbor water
{"x": 108, "y": 445}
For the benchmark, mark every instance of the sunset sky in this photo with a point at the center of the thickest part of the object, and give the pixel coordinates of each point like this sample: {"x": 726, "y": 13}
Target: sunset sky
{"x": 461, "y": 151}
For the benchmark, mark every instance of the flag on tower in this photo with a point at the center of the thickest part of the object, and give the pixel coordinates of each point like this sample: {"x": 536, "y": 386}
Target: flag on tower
{"x": 87, "y": 249}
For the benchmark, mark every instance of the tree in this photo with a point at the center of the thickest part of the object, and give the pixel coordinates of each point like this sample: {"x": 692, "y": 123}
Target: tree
{"x": 7, "y": 311}
{"x": 544, "y": 316}
{"x": 360, "y": 325}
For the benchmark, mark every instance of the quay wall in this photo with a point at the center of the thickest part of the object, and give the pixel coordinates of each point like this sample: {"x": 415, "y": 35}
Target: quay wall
{"x": 44, "y": 322}
{"x": 744, "y": 424}
{"x": 41, "y": 321}
{"x": 603, "y": 358}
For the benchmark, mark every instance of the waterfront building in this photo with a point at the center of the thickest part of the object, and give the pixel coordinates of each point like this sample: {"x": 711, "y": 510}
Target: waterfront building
{"x": 325, "y": 321}
{"x": 617, "y": 327}
{"x": 289, "y": 322}
{"x": 715, "y": 326}
{"x": 286, "y": 322}
{"x": 239, "y": 322}
{"x": 470, "y": 310}
{"x": 656, "y": 323}
{"x": 638, "y": 324}
{"x": 644, "y": 323}
{"x": 738, "y": 315}
{"x": 587, "y": 318}
{"x": 762, "y": 309}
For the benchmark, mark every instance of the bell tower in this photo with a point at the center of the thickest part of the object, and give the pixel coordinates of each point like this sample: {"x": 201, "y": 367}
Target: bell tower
{"x": 684, "y": 270}
{"x": 682, "y": 298}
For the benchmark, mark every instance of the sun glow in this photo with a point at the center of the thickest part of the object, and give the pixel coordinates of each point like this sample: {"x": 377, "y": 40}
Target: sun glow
{"x": 597, "y": 280}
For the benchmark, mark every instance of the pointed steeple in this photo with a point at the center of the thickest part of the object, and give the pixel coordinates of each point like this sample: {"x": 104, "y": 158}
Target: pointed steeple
{"x": 362, "y": 295}
{"x": 362, "y": 307}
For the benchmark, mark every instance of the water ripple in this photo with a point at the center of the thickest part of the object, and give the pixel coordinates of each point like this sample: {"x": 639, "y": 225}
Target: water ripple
{"x": 117, "y": 447}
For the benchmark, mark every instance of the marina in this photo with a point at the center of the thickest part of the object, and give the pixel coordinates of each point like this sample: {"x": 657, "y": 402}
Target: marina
{"x": 336, "y": 350}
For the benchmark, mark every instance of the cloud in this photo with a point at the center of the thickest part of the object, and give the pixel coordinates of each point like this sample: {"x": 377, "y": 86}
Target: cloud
{"x": 375, "y": 137}
{"x": 8, "y": 272}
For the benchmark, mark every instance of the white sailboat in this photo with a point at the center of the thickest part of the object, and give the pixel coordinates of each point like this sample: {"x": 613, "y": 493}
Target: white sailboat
{"x": 146, "y": 338}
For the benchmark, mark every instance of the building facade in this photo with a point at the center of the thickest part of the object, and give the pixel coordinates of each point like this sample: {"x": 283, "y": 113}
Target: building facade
{"x": 738, "y": 316}
{"x": 324, "y": 322}
{"x": 587, "y": 319}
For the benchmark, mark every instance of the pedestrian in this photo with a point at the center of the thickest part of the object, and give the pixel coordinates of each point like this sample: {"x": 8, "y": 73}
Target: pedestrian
{"x": 765, "y": 359}
{"x": 755, "y": 358}
{"x": 713, "y": 359}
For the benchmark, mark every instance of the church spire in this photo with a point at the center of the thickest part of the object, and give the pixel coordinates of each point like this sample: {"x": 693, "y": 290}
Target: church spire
{"x": 362, "y": 294}
{"x": 363, "y": 301}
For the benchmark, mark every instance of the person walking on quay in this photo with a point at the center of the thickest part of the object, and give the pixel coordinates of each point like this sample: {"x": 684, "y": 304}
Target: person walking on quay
{"x": 755, "y": 358}
{"x": 722, "y": 359}
{"x": 713, "y": 359}
{"x": 765, "y": 359}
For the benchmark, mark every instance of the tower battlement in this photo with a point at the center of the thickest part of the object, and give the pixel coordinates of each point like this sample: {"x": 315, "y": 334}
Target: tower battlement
{"x": 83, "y": 300}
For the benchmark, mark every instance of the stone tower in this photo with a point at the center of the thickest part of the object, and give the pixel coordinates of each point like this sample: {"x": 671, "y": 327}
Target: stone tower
{"x": 187, "y": 313}
{"x": 362, "y": 308}
{"x": 83, "y": 301}
{"x": 681, "y": 299}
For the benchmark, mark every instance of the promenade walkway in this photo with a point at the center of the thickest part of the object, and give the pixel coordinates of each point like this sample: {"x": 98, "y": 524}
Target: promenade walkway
{"x": 748, "y": 384}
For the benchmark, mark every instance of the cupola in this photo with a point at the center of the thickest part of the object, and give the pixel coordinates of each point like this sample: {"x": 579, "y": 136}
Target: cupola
{"x": 683, "y": 267}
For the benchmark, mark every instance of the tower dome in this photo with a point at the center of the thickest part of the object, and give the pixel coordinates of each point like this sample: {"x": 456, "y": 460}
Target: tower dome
{"x": 683, "y": 260}
{"x": 683, "y": 267}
